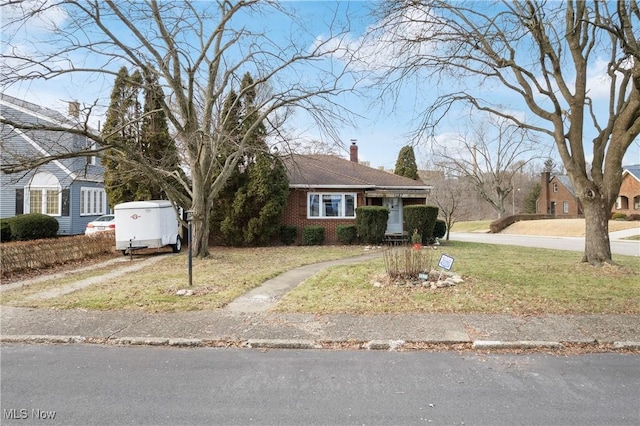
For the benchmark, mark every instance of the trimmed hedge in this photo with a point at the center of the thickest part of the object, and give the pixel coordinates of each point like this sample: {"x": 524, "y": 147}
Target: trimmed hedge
{"x": 440, "y": 230}
{"x": 33, "y": 226}
{"x": 5, "y": 230}
{"x": 288, "y": 234}
{"x": 423, "y": 218}
{"x": 313, "y": 235}
{"x": 502, "y": 223}
{"x": 19, "y": 256}
{"x": 371, "y": 223}
{"x": 347, "y": 234}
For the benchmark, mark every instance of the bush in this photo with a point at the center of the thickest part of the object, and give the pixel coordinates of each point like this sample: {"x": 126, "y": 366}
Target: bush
{"x": 22, "y": 256}
{"x": 499, "y": 225}
{"x": 33, "y": 226}
{"x": 371, "y": 223}
{"x": 633, "y": 216}
{"x": 312, "y": 235}
{"x": 5, "y": 230}
{"x": 618, "y": 216}
{"x": 423, "y": 218}
{"x": 406, "y": 263}
{"x": 347, "y": 234}
{"x": 440, "y": 230}
{"x": 288, "y": 234}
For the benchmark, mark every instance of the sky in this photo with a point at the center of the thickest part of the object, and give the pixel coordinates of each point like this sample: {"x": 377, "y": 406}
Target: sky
{"x": 383, "y": 125}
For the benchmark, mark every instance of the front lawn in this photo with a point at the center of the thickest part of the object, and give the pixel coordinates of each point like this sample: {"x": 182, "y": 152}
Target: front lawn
{"x": 497, "y": 279}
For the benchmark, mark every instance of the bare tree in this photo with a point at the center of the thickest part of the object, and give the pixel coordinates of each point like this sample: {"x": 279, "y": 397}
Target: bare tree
{"x": 545, "y": 55}
{"x": 489, "y": 158}
{"x": 198, "y": 52}
{"x": 451, "y": 195}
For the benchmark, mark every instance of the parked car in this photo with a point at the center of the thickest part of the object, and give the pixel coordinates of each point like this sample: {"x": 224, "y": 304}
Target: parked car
{"x": 101, "y": 224}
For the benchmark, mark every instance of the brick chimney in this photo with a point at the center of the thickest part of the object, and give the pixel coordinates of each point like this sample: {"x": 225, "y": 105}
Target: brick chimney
{"x": 353, "y": 151}
{"x": 543, "y": 206}
{"x": 74, "y": 109}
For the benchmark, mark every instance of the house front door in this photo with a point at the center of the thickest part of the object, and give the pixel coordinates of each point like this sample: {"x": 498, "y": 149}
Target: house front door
{"x": 394, "y": 223}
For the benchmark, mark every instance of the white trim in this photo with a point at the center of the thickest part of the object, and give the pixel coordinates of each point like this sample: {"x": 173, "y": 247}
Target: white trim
{"x": 93, "y": 201}
{"x": 343, "y": 205}
{"x": 42, "y": 151}
{"x": 36, "y": 114}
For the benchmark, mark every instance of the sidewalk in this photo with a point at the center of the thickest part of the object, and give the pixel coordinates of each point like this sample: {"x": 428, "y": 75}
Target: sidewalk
{"x": 249, "y": 322}
{"x": 267, "y": 329}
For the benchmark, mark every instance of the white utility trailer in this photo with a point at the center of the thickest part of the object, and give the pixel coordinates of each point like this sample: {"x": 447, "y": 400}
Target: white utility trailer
{"x": 146, "y": 224}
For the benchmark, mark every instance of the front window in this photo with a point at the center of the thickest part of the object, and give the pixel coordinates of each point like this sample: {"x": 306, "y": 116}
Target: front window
{"x": 636, "y": 202}
{"x": 331, "y": 205}
{"x": 43, "y": 195}
{"x": 555, "y": 187}
{"x": 565, "y": 207}
{"x": 92, "y": 201}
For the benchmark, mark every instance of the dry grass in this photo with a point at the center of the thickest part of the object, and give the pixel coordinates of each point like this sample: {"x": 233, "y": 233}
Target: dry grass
{"x": 227, "y": 274}
{"x": 562, "y": 227}
{"x": 497, "y": 279}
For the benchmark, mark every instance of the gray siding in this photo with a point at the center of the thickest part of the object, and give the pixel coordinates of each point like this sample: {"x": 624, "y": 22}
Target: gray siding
{"x": 72, "y": 174}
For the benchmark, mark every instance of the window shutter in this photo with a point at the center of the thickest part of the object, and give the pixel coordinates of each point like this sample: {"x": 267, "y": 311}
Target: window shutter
{"x": 19, "y": 201}
{"x": 65, "y": 202}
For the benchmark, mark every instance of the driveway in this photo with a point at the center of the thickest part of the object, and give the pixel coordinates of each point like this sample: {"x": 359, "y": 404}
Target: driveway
{"x": 618, "y": 246}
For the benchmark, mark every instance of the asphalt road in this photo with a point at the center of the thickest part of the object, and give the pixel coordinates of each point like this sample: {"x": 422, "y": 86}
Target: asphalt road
{"x": 86, "y": 384}
{"x": 621, "y": 247}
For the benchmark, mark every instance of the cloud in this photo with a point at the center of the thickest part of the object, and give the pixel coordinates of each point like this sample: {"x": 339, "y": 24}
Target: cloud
{"x": 383, "y": 45}
{"x": 33, "y": 15}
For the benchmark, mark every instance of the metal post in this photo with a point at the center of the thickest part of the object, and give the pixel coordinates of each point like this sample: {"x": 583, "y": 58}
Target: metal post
{"x": 190, "y": 239}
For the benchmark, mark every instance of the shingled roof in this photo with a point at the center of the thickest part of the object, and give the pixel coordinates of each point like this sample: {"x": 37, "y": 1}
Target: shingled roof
{"x": 633, "y": 170}
{"x": 330, "y": 171}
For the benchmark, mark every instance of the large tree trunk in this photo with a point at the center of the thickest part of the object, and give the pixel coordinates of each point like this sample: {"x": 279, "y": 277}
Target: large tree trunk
{"x": 200, "y": 207}
{"x": 597, "y": 247}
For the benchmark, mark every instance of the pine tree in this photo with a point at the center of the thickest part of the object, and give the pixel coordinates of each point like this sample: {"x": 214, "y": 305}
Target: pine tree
{"x": 146, "y": 141}
{"x": 248, "y": 211}
{"x": 406, "y": 163}
{"x": 124, "y": 109}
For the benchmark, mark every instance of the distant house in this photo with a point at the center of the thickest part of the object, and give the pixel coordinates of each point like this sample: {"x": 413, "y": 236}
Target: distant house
{"x": 628, "y": 201}
{"x": 69, "y": 189}
{"x": 558, "y": 197}
{"x": 325, "y": 190}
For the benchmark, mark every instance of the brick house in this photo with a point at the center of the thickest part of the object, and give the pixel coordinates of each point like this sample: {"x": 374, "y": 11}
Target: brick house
{"x": 628, "y": 201}
{"x": 557, "y": 197}
{"x": 325, "y": 190}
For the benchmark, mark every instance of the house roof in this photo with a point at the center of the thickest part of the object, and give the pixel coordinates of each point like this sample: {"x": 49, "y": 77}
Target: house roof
{"x": 633, "y": 170}
{"x": 566, "y": 182}
{"x": 330, "y": 171}
{"x": 32, "y": 143}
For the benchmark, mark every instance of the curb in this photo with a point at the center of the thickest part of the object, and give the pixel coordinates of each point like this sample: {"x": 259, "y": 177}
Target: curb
{"x": 372, "y": 345}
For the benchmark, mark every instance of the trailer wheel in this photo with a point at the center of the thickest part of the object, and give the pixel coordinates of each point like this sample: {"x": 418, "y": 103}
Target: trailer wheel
{"x": 178, "y": 245}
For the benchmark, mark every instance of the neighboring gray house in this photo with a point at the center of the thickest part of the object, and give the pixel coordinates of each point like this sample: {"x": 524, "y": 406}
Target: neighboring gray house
{"x": 70, "y": 189}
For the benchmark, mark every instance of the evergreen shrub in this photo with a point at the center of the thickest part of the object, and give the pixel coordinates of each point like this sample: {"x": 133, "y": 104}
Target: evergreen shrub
{"x": 440, "y": 230}
{"x": 371, "y": 223}
{"x": 347, "y": 234}
{"x": 288, "y": 234}
{"x": 313, "y": 235}
{"x": 423, "y": 218}
{"x": 33, "y": 226}
{"x": 5, "y": 230}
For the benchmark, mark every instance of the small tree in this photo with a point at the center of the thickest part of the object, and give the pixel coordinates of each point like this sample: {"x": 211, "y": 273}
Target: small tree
{"x": 406, "y": 163}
